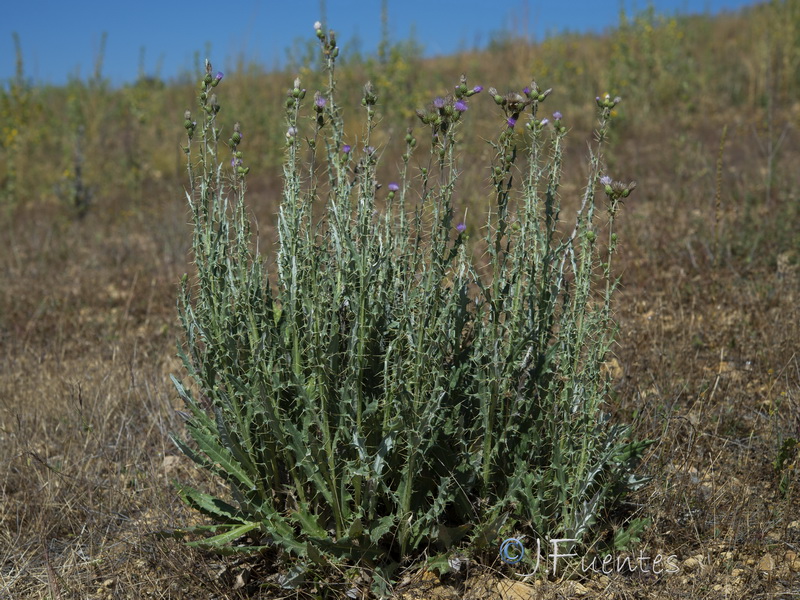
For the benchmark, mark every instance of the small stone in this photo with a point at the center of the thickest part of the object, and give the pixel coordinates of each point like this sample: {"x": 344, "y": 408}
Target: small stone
{"x": 429, "y": 576}
{"x": 774, "y": 536}
{"x": 579, "y": 590}
{"x": 170, "y": 464}
{"x": 514, "y": 590}
{"x": 694, "y": 563}
{"x": 766, "y": 564}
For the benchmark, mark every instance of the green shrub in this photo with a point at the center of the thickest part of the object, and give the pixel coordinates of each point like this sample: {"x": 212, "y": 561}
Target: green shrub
{"x": 382, "y": 395}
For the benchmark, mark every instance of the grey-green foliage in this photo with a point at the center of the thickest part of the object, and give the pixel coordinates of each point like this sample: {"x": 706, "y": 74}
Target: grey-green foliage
{"x": 381, "y": 396}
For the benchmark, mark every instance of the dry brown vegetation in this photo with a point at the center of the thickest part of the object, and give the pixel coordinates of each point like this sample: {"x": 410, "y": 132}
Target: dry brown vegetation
{"x": 707, "y": 357}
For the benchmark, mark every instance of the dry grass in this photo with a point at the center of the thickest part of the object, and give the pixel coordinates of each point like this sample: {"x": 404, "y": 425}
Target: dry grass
{"x": 707, "y": 360}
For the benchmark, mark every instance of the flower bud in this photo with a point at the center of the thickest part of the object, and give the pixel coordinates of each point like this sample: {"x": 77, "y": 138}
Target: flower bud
{"x": 319, "y": 101}
{"x": 369, "y": 97}
{"x": 188, "y": 124}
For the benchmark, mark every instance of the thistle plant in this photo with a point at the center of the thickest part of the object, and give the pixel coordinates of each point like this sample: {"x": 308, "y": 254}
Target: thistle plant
{"x": 379, "y": 396}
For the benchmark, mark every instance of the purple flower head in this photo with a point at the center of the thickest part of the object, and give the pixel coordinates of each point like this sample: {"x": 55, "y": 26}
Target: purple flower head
{"x": 557, "y": 116}
{"x": 219, "y": 75}
{"x": 369, "y": 150}
{"x": 393, "y": 187}
{"x": 526, "y": 90}
{"x": 544, "y": 122}
{"x": 511, "y": 122}
{"x": 460, "y": 106}
{"x": 320, "y": 101}
{"x": 236, "y": 162}
{"x": 605, "y": 180}
{"x": 346, "y": 148}
{"x": 477, "y": 89}
{"x": 438, "y": 102}
{"x": 461, "y": 228}
{"x": 291, "y": 132}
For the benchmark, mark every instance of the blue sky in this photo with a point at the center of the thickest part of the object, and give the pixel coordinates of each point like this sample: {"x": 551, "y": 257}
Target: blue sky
{"x": 63, "y": 39}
